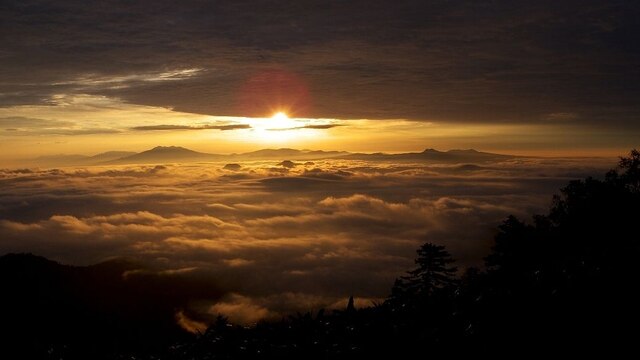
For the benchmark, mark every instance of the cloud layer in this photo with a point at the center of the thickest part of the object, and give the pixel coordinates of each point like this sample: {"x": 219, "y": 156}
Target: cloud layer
{"x": 187, "y": 127}
{"x": 276, "y": 239}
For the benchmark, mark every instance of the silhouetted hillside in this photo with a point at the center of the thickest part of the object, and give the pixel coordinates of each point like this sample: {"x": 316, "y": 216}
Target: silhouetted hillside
{"x": 58, "y": 311}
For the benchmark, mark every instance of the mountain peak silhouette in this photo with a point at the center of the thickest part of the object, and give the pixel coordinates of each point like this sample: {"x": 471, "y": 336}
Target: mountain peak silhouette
{"x": 170, "y": 149}
{"x": 165, "y": 154}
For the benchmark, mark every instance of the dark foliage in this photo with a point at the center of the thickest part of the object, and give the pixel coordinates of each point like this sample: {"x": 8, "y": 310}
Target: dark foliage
{"x": 566, "y": 283}
{"x": 432, "y": 274}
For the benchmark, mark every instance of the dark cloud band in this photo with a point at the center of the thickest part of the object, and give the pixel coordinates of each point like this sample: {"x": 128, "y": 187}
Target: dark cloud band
{"x": 453, "y": 61}
{"x": 316, "y": 127}
{"x": 186, "y": 127}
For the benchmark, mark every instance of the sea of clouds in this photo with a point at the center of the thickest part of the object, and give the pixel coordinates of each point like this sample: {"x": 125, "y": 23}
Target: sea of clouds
{"x": 274, "y": 237}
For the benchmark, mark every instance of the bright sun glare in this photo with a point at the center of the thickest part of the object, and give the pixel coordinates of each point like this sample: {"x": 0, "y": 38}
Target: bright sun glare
{"x": 280, "y": 121}
{"x": 279, "y": 128}
{"x": 280, "y": 116}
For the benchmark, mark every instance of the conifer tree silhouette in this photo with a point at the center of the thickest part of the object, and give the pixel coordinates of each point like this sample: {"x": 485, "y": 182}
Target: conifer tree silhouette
{"x": 433, "y": 272}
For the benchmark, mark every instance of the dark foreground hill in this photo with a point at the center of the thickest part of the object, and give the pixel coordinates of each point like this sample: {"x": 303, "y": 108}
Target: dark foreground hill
{"x": 56, "y": 311}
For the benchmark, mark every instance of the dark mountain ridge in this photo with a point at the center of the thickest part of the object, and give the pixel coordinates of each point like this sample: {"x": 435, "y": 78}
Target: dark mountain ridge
{"x": 163, "y": 154}
{"x": 432, "y": 155}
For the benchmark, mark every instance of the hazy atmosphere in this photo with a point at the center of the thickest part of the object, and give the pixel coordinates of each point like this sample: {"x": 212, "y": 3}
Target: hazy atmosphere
{"x": 257, "y": 159}
{"x": 280, "y": 237}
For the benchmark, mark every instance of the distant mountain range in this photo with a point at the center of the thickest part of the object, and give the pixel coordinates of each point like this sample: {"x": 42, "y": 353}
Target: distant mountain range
{"x": 63, "y": 159}
{"x": 161, "y": 154}
{"x": 432, "y": 155}
{"x": 168, "y": 154}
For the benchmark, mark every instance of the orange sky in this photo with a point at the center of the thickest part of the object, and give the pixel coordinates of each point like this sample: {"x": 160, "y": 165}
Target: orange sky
{"x": 85, "y": 124}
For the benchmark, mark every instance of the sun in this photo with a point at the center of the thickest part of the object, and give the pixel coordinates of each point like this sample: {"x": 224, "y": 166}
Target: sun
{"x": 280, "y": 128}
{"x": 280, "y": 120}
{"x": 280, "y": 116}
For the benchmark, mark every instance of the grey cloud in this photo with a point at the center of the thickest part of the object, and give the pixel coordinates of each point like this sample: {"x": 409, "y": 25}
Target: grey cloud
{"x": 20, "y": 125}
{"x": 317, "y": 127}
{"x": 561, "y": 116}
{"x": 21, "y": 122}
{"x": 328, "y": 126}
{"x": 460, "y": 60}
{"x": 91, "y": 81}
{"x": 187, "y": 127}
{"x": 62, "y": 131}
{"x": 89, "y": 131}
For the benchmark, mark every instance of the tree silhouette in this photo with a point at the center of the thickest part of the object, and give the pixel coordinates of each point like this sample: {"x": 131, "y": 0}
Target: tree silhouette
{"x": 570, "y": 278}
{"x": 631, "y": 176}
{"x": 433, "y": 273}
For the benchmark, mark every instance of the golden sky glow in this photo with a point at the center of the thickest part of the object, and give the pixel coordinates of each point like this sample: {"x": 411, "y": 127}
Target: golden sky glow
{"x": 86, "y": 124}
